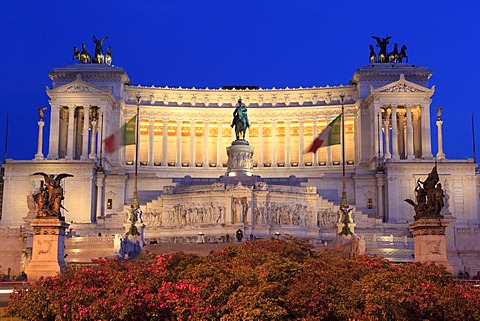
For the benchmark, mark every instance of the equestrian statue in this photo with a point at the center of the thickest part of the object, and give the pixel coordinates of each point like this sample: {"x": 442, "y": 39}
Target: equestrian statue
{"x": 240, "y": 120}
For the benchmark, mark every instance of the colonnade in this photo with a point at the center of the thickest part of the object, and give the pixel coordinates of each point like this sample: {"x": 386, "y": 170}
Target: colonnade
{"x": 404, "y": 132}
{"x": 74, "y": 131}
{"x": 202, "y": 143}
{"x": 75, "y": 134}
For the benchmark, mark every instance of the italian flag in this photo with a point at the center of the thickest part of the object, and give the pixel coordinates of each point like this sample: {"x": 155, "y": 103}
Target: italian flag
{"x": 123, "y": 136}
{"x": 329, "y": 136}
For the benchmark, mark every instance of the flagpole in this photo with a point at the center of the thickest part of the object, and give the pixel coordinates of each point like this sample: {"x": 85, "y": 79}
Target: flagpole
{"x": 101, "y": 140}
{"x": 135, "y": 208}
{"x": 344, "y": 203}
{"x": 473, "y": 141}
{"x": 6, "y": 141}
{"x": 135, "y": 190}
{"x": 346, "y": 227}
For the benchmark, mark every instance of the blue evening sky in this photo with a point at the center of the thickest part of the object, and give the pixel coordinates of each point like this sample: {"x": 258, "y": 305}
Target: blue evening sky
{"x": 268, "y": 43}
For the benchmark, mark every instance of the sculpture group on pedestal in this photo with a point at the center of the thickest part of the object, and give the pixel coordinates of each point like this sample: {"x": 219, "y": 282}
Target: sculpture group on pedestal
{"x": 49, "y": 197}
{"x": 429, "y": 196}
{"x": 99, "y": 58}
{"x": 383, "y": 56}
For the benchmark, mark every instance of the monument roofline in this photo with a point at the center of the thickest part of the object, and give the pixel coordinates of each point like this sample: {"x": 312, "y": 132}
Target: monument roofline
{"x": 231, "y": 90}
{"x": 386, "y": 71}
{"x": 88, "y": 71}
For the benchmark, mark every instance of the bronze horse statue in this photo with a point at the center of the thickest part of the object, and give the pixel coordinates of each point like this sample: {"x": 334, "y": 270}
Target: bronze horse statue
{"x": 76, "y": 54}
{"x": 240, "y": 120}
{"x": 403, "y": 54}
{"x": 99, "y": 57}
{"x": 373, "y": 55}
{"x": 393, "y": 56}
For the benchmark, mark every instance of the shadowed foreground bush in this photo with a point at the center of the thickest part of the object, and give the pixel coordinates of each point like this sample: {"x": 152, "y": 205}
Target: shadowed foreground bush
{"x": 262, "y": 280}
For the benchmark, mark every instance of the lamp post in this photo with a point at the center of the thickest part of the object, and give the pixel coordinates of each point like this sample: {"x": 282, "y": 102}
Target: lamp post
{"x": 345, "y": 227}
{"x": 344, "y": 203}
{"x": 135, "y": 206}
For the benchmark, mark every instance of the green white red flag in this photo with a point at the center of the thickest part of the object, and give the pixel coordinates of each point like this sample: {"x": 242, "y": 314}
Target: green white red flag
{"x": 329, "y": 136}
{"x": 123, "y": 136}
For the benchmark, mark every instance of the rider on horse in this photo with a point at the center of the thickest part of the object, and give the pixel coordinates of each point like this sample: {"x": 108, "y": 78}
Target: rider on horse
{"x": 240, "y": 120}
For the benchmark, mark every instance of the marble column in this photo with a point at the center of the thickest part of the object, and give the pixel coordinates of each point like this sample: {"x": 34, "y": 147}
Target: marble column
{"x": 329, "y": 161}
{"x": 100, "y": 182}
{"x": 192, "y": 143}
{"x": 93, "y": 141}
{"x": 378, "y": 125}
{"x": 122, "y": 151}
{"x": 86, "y": 125}
{"x": 219, "y": 144}
{"x": 287, "y": 144}
{"x": 179, "y": 144}
{"x": 151, "y": 145}
{"x": 426, "y": 139}
{"x": 260, "y": 144}
{"x": 315, "y": 134}
{"x": 39, "y": 154}
{"x": 401, "y": 134}
{"x": 417, "y": 132}
{"x": 165, "y": 143}
{"x": 440, "y": 154}
{"x": 410, "y": 152}
{"x": 376, "y": 130}
{"x": 380, "y": 184}
{"x": 395, "y": 155}
{"x": 301, "y": 143}
{"x": 70, "y": 141}
{"x": 386, "y": 128}
{"x": 274, "y": 143}
{"x": 54, "y": 132}
{"x": 205, "y": 144}
{"x": 78, "y": 134}
{"x": 101, "y": 131}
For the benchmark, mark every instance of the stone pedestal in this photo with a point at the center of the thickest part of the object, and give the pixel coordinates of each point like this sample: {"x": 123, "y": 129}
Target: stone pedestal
{"x": 430, "y": 241}
{"x": 48, "y": 248}
{"x": 240, "y": 155}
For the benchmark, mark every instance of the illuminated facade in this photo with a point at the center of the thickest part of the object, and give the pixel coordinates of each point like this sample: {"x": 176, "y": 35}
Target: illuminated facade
{"x": 185, "y": 132}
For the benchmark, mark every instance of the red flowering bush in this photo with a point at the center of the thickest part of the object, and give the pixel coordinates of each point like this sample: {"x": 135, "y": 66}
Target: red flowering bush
{"x": 261, "y": 280}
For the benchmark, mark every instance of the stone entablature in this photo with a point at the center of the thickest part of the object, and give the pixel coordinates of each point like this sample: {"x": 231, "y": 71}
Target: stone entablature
{"x": 253, "y": 98}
